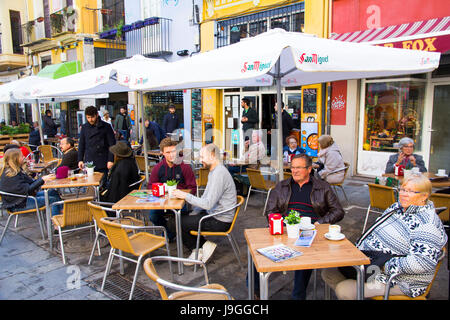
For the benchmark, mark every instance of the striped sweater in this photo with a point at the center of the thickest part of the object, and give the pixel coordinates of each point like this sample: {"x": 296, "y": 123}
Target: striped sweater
{"x": 417, "y": 234}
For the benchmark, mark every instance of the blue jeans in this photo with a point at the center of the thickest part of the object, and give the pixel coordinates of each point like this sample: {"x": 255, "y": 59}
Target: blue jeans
{"x": 157, "y": 218}
{"x": 53, "y": 196}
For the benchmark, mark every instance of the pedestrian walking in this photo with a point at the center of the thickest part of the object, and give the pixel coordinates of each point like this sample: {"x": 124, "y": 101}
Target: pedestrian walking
{"x": 122, "y": 123}
{"x": 171, "y": 122}
{"x": 249, "y": 118}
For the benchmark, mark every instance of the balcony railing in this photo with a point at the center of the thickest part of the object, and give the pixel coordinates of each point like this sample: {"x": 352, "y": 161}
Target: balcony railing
{"x": 32, "y": 31}
{"x": 150, "y": 37}
{"x": 63, "y": 20}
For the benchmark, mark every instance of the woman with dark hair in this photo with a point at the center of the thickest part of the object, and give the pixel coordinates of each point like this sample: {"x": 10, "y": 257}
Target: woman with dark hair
{"x": 116, "y": 183}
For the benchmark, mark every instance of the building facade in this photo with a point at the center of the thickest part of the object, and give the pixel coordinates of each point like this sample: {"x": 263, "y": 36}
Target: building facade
{"x": 370, "y": 116}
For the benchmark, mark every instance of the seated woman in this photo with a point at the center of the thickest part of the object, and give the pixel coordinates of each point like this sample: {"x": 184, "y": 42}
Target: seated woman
{"x": 292, "y": 147}
{"x": 116, "y": 183}
{"x": 14, "y": 179}
{"x": 330, "y": 159}
{"x": 419, "y": 238}
{"x": 405, "y": 157}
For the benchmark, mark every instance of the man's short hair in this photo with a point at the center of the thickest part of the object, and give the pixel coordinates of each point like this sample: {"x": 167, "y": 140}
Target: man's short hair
{"x": 282, "y": 104}
{"x": 70, "y": 141}
{"x": 212, "y": 149}
{"x": 91, "y": 111}
{"x": 308, "y": 159}
{"x": 48, "y": 111}
{"x": 172, "y": 106}
{"x": 246, "y": 101}
{"x": 167, "y": 142}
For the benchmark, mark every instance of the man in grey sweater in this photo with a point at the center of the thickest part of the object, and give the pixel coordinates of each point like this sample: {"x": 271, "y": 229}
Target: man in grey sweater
{"x": 220, "y": 194}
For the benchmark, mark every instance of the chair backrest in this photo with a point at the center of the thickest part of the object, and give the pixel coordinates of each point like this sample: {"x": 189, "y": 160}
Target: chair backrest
{"x": 287, "y": 175}
{"x": 256, "y": 179}
{"x": 97, "y": 213}
{"x": 140, "y": 161}
{"x": 76, "y": 211}
{"x": 46, "y": 151}
{"x": 381, "y": 197}
{"x": 240, "y": 201}
{"x": 117, "y": 235}
{"x": 202, "y": 177}
{"x": 441, "y": 200}
{"x": 347, "y": 166}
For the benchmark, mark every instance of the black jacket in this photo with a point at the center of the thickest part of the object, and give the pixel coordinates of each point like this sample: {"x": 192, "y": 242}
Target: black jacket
{"x": 35, "y": 138}
{"x": 252, "y": 119}
{"x": 286, "y": 123}
{"x": 324, "y": 201}
{"x": 120, "y": 176}
{"x": 171, "y": 122}
{"x": 19, "y": 184}
{"x": 70, "y": 159}
{"x": 50, "y": 127}
{"x": 94, "y": 144}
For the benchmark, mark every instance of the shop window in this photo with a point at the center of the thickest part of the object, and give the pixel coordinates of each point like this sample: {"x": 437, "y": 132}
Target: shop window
{"x": 393, "y": 110}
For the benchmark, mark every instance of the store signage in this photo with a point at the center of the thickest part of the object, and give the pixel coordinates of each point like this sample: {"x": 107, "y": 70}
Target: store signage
{"x": 432, "y": 44}
{"x": 255, "y": 66}
{"x": 338, "y": 103}
{"x": 313, "y": 58}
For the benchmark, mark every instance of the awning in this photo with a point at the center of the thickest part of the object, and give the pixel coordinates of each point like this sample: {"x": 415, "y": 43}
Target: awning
{"x": 59, "y": 70}
{"x": 426, "y": 35}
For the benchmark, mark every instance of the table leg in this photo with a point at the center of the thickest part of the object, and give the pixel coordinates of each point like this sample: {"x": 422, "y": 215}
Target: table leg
{"x": 179, "y": 240}
{"x": 251, "y": 276}
{"x": 264, "y": 285}
{"x": 121, "y": 268}
{"x": 48, "y": 214}
{"x": 359, "y": 282}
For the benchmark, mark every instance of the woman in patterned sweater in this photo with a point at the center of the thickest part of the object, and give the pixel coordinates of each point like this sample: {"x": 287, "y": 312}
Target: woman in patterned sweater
{"x": 412, "y": 230}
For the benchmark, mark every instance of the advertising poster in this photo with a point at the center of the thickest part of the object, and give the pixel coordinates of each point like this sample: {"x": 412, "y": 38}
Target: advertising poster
{"x": 338, "y": 103}
{"x": 309, "y": 138}
{"x": 131, "y": 113}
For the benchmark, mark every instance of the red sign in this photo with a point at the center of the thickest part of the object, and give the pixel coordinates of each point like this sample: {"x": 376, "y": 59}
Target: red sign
{"x": 338, "y": 103}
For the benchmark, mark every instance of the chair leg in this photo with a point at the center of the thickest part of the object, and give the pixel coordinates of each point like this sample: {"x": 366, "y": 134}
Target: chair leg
{"x": 17, "y": 220}
{"x": 135, "y": 277}
{"x": 345, "y": 195}
{"x": 267, "y": 199}
{"x": 235, "y": 249}
{"x": 108, "y": 267}
{"x": 314, "y": 283}
{"x": 93, "y": 247}
{"x": 6, "y": 227}
{"x": 248, "y": 196}
{"x": 170, "y": 262}
{"x": 327, "y": 292}
{"x": 62, "y": 245}
{"x": 197, "y": 249}
{"x": 41, "y": 224}
{"x": 365, "y": 221}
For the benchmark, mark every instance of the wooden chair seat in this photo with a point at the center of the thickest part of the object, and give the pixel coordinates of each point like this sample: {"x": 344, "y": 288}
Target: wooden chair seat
{"x": 183, "y": 295}
{"x": 144, "y": 243}
{"x": 25, "y": 211}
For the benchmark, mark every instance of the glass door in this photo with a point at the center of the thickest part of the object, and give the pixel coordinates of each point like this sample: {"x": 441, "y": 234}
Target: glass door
{"x": 440, "y": 130}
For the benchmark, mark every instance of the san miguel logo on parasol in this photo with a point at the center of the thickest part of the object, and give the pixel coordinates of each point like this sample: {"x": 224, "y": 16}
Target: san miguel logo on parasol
{"x": 313, "y": 58}
{"x": 255, "y": 66}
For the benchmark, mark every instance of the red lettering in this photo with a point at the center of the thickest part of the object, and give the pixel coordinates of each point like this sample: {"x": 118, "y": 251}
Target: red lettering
{"x": 245, "y": 67}
{"x": 314, "y": 58}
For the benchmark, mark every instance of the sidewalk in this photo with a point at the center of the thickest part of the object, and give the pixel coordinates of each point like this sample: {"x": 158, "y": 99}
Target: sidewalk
{"x": 28, "y": 270}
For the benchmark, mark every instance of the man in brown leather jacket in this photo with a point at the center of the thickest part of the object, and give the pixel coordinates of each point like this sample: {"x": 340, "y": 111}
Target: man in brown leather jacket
{"x": 311, "y": 197}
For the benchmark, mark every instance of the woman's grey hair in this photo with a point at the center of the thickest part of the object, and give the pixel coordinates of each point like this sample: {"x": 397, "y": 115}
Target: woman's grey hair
{"x": 405, "y": 141}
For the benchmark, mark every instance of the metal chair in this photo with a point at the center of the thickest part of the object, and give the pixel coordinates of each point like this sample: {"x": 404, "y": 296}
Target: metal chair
{"x": 209, "y": 291}
{"x": 36, "y": 209}
{"x": 199, "y": 232}
{"x": 405, "y": 297}
{"x": 46, "y": 152}
{"x": 140, "y": 161}
{"x": 138, "y": 183}
{"x": 75, "y": 213}
{"x": 381, "y": 197}
{"x": 258, "y": 184}
{"x": 202, "y": 180}
{"x": 334, "y": 185}
{"x": 138, "y": 244}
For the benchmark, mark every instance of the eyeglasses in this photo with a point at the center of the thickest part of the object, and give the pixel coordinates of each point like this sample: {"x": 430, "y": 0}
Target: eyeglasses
{"x": 298, "y": 168}
{"x": 410, "y": 146}
{"x": 409, "y": 191}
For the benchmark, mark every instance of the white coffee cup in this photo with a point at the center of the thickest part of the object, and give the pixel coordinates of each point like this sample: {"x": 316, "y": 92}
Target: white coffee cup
{"x": 305, "y": 221}
{"x": 334, "y": 230}
{"x": 441, "y": 172}
{"x": 415, "y": 170}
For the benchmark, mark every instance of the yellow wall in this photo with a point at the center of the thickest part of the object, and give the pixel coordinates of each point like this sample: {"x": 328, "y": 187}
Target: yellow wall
{"x": 5, "y": 6}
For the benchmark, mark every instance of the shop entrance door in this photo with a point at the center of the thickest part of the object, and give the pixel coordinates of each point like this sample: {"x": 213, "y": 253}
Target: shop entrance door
{"x": 440, "y": 130}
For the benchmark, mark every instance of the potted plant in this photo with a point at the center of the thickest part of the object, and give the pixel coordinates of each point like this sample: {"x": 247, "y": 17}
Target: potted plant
{"x": 292, "y": 224}
{"x": 90, "y": 168}
{"x": 171, "y": 185}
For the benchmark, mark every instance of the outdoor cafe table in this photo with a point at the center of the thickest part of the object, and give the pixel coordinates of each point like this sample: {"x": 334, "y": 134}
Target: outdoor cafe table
{"x": 323, "y": 253}
{"x": 129, "y": 202}
{"x": 440, "y": 182}
{"x": 85, "y": 181}
{"x": 41, "y": 166}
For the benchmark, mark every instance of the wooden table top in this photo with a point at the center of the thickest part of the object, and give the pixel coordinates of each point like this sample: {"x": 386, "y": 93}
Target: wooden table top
{"x": 41, "y": 166}
{"x": 130, "y": 203}
{"x": 84, "y": 181}
{"x": 435, "y": 184}
{"x": 323, "y": 253}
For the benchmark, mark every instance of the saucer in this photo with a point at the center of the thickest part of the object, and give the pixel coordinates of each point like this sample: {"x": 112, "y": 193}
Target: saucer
{"x": 340, "y": 236}
{"x": 441, "y": 175}
{"x": 308, "y": 227}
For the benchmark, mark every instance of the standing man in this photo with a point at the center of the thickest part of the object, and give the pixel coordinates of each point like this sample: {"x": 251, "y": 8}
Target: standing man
{"x": 96, "y": 137}
{"x": 219, "y": 195}
{"x": 50, "y": 128}
{"x": 311, "y": 197}
{"x": 171, "y": 122}
{"x": 122, "y": 123}
{"x": 249, "y": 118}
{"x": 171, "y": 167}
